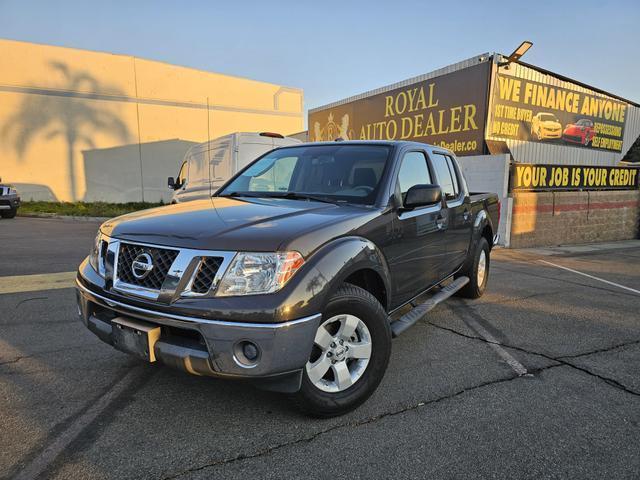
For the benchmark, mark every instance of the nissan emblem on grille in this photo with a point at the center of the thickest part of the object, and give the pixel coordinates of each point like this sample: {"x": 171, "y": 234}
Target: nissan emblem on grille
{"x": 142, "y": 266}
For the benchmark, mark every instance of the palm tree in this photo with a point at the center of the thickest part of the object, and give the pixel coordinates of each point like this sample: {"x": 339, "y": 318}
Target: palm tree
{"x": 74, "y": 118}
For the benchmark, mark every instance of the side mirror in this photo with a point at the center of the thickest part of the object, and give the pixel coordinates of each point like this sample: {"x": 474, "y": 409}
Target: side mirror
{"x": 171, "y": 183}
{"x": 422, "y": 195}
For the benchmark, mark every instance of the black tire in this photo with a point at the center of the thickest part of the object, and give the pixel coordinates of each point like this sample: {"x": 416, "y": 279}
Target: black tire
{"x": 353, "y": 300}
{"x": 10, "y": 213}
{"x": 475, "y": 288}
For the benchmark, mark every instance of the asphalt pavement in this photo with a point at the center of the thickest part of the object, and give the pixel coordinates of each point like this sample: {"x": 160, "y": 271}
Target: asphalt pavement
{"x": 539, "y": 378}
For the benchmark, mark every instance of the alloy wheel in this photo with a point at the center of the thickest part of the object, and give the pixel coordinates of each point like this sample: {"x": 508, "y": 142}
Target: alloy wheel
{"x": 341, "y": 353}
{"x": 482, "y": 268}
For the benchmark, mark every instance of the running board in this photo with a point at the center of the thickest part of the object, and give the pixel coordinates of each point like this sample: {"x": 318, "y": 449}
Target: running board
{"x": 417, "y": 313}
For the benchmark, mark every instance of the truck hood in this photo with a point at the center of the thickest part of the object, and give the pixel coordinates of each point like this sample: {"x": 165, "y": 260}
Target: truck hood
{"x": 241, "y": 224}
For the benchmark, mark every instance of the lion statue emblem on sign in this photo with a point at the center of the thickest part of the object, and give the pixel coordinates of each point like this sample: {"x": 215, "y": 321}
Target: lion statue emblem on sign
{"x": 333, "y": 130}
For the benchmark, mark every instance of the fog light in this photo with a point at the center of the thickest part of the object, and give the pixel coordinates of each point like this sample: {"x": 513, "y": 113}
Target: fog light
{"x": 250, "y": 351}
{"x": 246, "y": 354}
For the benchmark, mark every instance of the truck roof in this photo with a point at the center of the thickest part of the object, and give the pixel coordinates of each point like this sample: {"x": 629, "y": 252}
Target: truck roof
{"x": 396, "y": 143}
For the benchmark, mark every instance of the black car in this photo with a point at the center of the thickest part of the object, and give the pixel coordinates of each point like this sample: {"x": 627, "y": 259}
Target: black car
{"x": 294, "y": 273}
{"x": 9, "y": 201}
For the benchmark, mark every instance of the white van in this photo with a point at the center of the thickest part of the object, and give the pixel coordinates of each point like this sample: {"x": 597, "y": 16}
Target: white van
{"x": 208, "y": 165}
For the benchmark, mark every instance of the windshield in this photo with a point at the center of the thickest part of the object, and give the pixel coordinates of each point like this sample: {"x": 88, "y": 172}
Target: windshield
{"x": 348, "y": 173}
{"x": 548, "y": 117}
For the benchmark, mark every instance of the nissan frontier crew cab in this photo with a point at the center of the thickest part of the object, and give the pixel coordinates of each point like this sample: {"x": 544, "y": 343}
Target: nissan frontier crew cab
{"x": 297, "y": 272}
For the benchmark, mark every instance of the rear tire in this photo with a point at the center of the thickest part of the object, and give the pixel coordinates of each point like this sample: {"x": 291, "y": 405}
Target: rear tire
{"x": 477, "y": 271}
{"x": 9, "y": 214}
{"x": 354, "y": 319}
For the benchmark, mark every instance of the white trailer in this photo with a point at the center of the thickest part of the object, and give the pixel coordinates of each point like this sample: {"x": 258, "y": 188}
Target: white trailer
{"x": 206, "y": 166}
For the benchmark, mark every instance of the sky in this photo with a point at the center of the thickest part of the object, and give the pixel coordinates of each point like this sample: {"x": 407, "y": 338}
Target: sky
{"x": 333, "y": 50}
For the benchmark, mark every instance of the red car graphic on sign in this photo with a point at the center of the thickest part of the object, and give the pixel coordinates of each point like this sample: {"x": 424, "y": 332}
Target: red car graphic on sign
{"x": 580, "y": 132}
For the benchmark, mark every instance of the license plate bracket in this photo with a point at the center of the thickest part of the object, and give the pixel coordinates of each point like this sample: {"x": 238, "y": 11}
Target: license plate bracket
{"x": 135, "y": 337}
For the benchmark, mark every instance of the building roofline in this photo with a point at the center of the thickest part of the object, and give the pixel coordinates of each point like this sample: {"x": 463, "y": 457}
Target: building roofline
{"x": 483, "y": 57}
{"x": 459, "y": 66}
{"x": 578, "y": 82}
{"x": 135, "y": 57}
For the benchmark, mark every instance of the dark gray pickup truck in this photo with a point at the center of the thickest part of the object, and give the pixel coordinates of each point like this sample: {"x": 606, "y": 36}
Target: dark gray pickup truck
{"x": 9, "y": 201}
{"x": 298, "y": 272}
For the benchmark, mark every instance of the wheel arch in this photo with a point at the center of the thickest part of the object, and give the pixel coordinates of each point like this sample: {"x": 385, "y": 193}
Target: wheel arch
{"x": 371, "y": 281}
{"x": 354, "y": 260}
{"x": 482, "y": 227}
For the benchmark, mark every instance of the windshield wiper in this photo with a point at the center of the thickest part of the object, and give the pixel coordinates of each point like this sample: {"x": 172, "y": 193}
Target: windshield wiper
{"x": 301, "y": 196}
{"x": 239, "y": 194}
{"x": 287, "y": 195}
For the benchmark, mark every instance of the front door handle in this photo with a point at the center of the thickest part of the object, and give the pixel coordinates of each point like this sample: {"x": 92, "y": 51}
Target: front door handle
{"x": 440, "y": 222}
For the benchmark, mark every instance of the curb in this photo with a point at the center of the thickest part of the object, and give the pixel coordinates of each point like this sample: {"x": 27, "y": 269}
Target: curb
{"x": 581, "y": 248}
{"x": 75, "y": 218}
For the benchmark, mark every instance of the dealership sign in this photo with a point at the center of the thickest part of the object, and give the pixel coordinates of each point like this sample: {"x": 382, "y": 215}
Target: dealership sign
{"x": 447, "y": 111}
{"x": 523, "y": 109}
{"x": 572, "y": 177}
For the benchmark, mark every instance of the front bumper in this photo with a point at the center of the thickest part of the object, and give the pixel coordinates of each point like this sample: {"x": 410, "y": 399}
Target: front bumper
{"x": 9, "y": 202}
{"x": 548, "y": 134}
{"x": 572, "y": 138}
{"x": 211, "y": 347}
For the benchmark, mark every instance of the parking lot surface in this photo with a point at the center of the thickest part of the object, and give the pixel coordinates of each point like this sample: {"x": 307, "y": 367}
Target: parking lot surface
{"x": 539, "y": 378}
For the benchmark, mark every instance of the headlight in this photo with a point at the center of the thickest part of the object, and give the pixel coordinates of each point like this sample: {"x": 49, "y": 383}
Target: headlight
{"x": 94, "y": 255}
{"x": 256, "y": 273}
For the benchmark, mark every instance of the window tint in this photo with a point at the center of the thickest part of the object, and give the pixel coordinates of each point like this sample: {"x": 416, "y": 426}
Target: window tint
{"x": 340, "y": 172}
{"x": 413, "y": 171}
{"x": 454, "y": 175}
{"x": 443, "y": 174}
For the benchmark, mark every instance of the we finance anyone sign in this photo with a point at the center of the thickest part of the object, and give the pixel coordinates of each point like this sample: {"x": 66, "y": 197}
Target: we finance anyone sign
{"x": 523, "y": 109}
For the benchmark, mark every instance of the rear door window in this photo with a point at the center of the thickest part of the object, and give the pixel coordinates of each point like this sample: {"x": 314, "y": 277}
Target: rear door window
{"x": 454, "y": 175}
{"x": 446, "y": 176}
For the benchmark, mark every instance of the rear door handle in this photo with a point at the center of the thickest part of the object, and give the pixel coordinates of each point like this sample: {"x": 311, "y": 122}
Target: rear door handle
{"x": 466, "y": 216}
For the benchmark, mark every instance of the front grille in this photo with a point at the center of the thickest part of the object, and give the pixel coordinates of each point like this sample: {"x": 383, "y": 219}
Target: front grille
{"x": 575, "y": 138}
{"x": 206, "y": 273}
{"x": 162, "y": 260}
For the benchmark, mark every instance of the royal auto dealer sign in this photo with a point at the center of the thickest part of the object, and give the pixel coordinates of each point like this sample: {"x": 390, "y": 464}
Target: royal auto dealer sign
{"x": 448, "y": 111}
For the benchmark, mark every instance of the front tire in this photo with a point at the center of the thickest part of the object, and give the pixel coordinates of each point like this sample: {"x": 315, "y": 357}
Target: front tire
{"x": 9, "y": 214}
{"x": 478, "y": 271}
{"x": 349, "y": 357}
